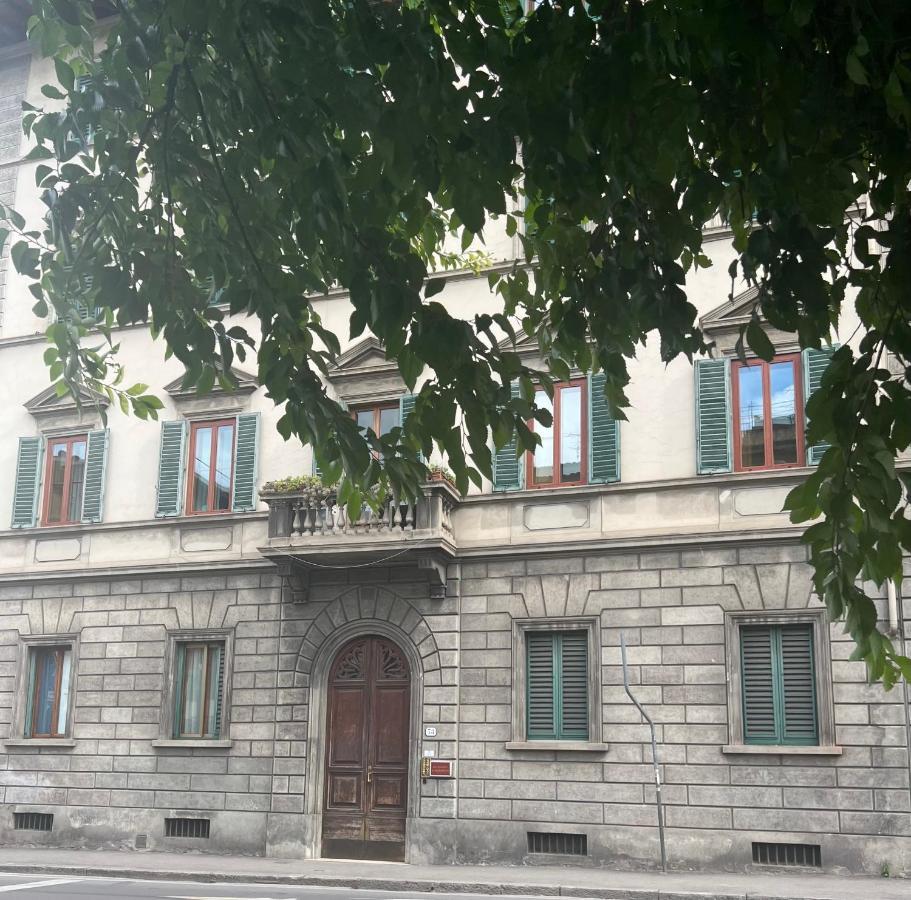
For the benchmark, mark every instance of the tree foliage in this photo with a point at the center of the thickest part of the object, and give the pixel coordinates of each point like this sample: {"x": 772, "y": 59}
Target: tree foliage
{"x": 268, "y": 151}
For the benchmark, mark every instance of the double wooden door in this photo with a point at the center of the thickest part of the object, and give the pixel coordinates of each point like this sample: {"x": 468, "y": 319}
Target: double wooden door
{"x": 367, "y": 738}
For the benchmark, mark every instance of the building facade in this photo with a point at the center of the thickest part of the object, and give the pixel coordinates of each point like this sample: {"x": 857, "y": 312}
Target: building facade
{"x": 188, "y": 661}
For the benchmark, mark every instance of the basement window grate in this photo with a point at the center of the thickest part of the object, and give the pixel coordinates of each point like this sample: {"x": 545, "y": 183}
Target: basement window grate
{"x": 770, "y": 854}
{"x": 186, "y": 828}
{"x": 557, "y": 843}
{"x": 33, "y": 821}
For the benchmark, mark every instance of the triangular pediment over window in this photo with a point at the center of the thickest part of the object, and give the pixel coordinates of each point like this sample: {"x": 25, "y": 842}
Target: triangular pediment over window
{"x": 362, "y": 374}
{"x": 244, "y": 383}
{"x": 49, "y": 407}
{"x": 723, "y": 324}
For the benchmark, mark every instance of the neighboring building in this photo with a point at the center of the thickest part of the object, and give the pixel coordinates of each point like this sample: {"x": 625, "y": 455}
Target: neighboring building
{"x": 185, "y": 666}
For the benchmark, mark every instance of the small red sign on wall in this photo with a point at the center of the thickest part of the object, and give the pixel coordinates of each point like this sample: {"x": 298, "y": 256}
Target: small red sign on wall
{"x": 436, "y": 768}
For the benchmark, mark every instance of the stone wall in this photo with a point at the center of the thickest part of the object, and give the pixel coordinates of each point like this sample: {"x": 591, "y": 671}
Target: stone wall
{"x": 263, "y": 793}
{"x": 670, "y": 607}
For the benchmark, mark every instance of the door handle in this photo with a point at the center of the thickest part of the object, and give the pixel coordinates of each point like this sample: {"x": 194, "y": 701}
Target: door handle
{"x": 369, "y": 774}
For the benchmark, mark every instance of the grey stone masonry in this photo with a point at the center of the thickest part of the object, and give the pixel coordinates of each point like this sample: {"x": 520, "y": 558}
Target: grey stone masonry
{"x": 115, "y": 780}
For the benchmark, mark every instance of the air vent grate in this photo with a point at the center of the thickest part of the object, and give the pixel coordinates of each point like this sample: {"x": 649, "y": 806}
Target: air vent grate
{"x": 142, "y": 842}
{"x": 805, "y": 855}
{"x": 33, "y": 821}
{"x": 556, "y": 843}
{"x": 186, "y": 828}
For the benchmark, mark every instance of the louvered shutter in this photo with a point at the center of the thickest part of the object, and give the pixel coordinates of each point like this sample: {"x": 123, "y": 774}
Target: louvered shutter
{"x": 539, "y": 675}
{"x": 815, "y": 363}
{"x": 603, "y": 435}
{"x": 574, "y": 685}
{"x": 245, "y": 459}
{"x": 30, "y": 695}
{"x": 219, "y": 676}
{"x": 758, "y": 680}
{"x": 95, "y": 468}
{"x": 508, "y": 469}
{"x": 171, "y": 465}
{"x": 406, "y": 405}
{"x": 28, "y": 481}
{"x": 180, "y": 659}
{"x": 798, "y": 685}
{"x": 84, "y": 85}
{"x": 713, "y": 416}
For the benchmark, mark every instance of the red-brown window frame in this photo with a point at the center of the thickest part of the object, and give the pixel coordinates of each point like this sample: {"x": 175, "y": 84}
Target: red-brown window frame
{"x": 69, "y": 440}
{"x": 214, "y": 424}
{"x": 794, "y": 359}
{"x": 376, "y": 409}
{"x": 206, "y": 647}
{"x": 36, "y": 692}
{"x": 530, "y": 455}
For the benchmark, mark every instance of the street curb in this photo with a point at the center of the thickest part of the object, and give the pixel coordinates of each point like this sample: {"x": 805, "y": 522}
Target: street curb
{"x": 386, "y": 884}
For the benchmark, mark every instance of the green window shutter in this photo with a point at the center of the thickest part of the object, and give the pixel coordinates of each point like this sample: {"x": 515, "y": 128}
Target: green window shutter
{"x": 540, "y": 693}
{"x": 406, "y": 406}
{"x": 798, "y": 685}
{"x": 95, "y": 468}
{"x": 603, "y": 435}
{"x": 779, "y": 684}
{"x": 171, "y": 465}
{"x": 574, "y": 685}
{"x": 509, "y": 469}
{"x": 245, "y": 459}
{"x": 713, "y": 416}
{"x": 28, "y": 482}
{"x": 758, "y": 680}
{"x": 556, "y": 685}
{"x": 815, "y": 363}
{"x": 30, "y": 696}
{"x": 217, "y": 661}
{"x": 179, "y": 662}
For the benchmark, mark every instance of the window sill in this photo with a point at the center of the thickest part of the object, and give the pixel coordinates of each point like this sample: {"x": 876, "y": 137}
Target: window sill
{"x": 191, "y": 743}
{"x": 56, "y": 743}
{"x": 576, "y": 746}
{"x": 781, "y": 750}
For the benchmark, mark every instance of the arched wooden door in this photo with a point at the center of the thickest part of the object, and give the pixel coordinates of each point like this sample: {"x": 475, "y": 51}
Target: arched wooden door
{"x": 367, "y": 738}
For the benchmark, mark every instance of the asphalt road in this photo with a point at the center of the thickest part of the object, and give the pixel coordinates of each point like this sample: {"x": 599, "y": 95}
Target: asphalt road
{"x": 40, "y": 887}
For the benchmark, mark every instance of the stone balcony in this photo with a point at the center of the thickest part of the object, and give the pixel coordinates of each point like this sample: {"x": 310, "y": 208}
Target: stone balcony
{"x": 310, "y": 527}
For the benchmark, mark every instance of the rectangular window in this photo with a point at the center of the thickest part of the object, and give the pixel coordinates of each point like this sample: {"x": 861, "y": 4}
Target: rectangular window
{"x": 211, "y": 466}
{"x": 381, "y": 418}
{"x": 199, "y": 686}
{"x": 64, "y": 479}
{"x": 557, "y": 685}
{"x": 49, "y": 679}
{"x": 768, "y": 414}
{"x": 561, "y": 458}
{"x": 778, "y": 677}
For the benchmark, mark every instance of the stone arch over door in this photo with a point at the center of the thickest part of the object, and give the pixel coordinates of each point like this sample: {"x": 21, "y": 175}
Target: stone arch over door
{"x": 355, "y": 614}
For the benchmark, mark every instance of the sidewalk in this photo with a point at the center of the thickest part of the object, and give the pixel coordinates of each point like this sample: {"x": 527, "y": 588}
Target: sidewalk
{"x": 550, "y": 881}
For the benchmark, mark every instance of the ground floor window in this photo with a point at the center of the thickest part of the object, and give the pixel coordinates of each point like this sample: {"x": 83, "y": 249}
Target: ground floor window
{"x": 49, "y": 685}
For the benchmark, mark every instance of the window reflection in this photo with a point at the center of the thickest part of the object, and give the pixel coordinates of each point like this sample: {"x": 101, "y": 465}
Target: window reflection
{"x": 202, "y": 465}
{"x": 571, "y": 434}
{"x": 543, "y": 463}
{"x": 784, "y": 412}
{"x": 752, "y": 417}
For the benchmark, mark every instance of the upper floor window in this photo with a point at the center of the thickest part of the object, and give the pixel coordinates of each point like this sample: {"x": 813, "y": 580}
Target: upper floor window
{"x": 49, "y": 677}
{"x": 60, "y": 480}
{"x": 750, "y": 416}
{"x": 65, "y": 480}
{"x": 211, "y": 466}
{"x": 560, "y": 458}
{"x": 581, "y": 446}
{"x": 768, "y": 414}
{"x": 381, "y": 418}
{"x": 208, "y": 466}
